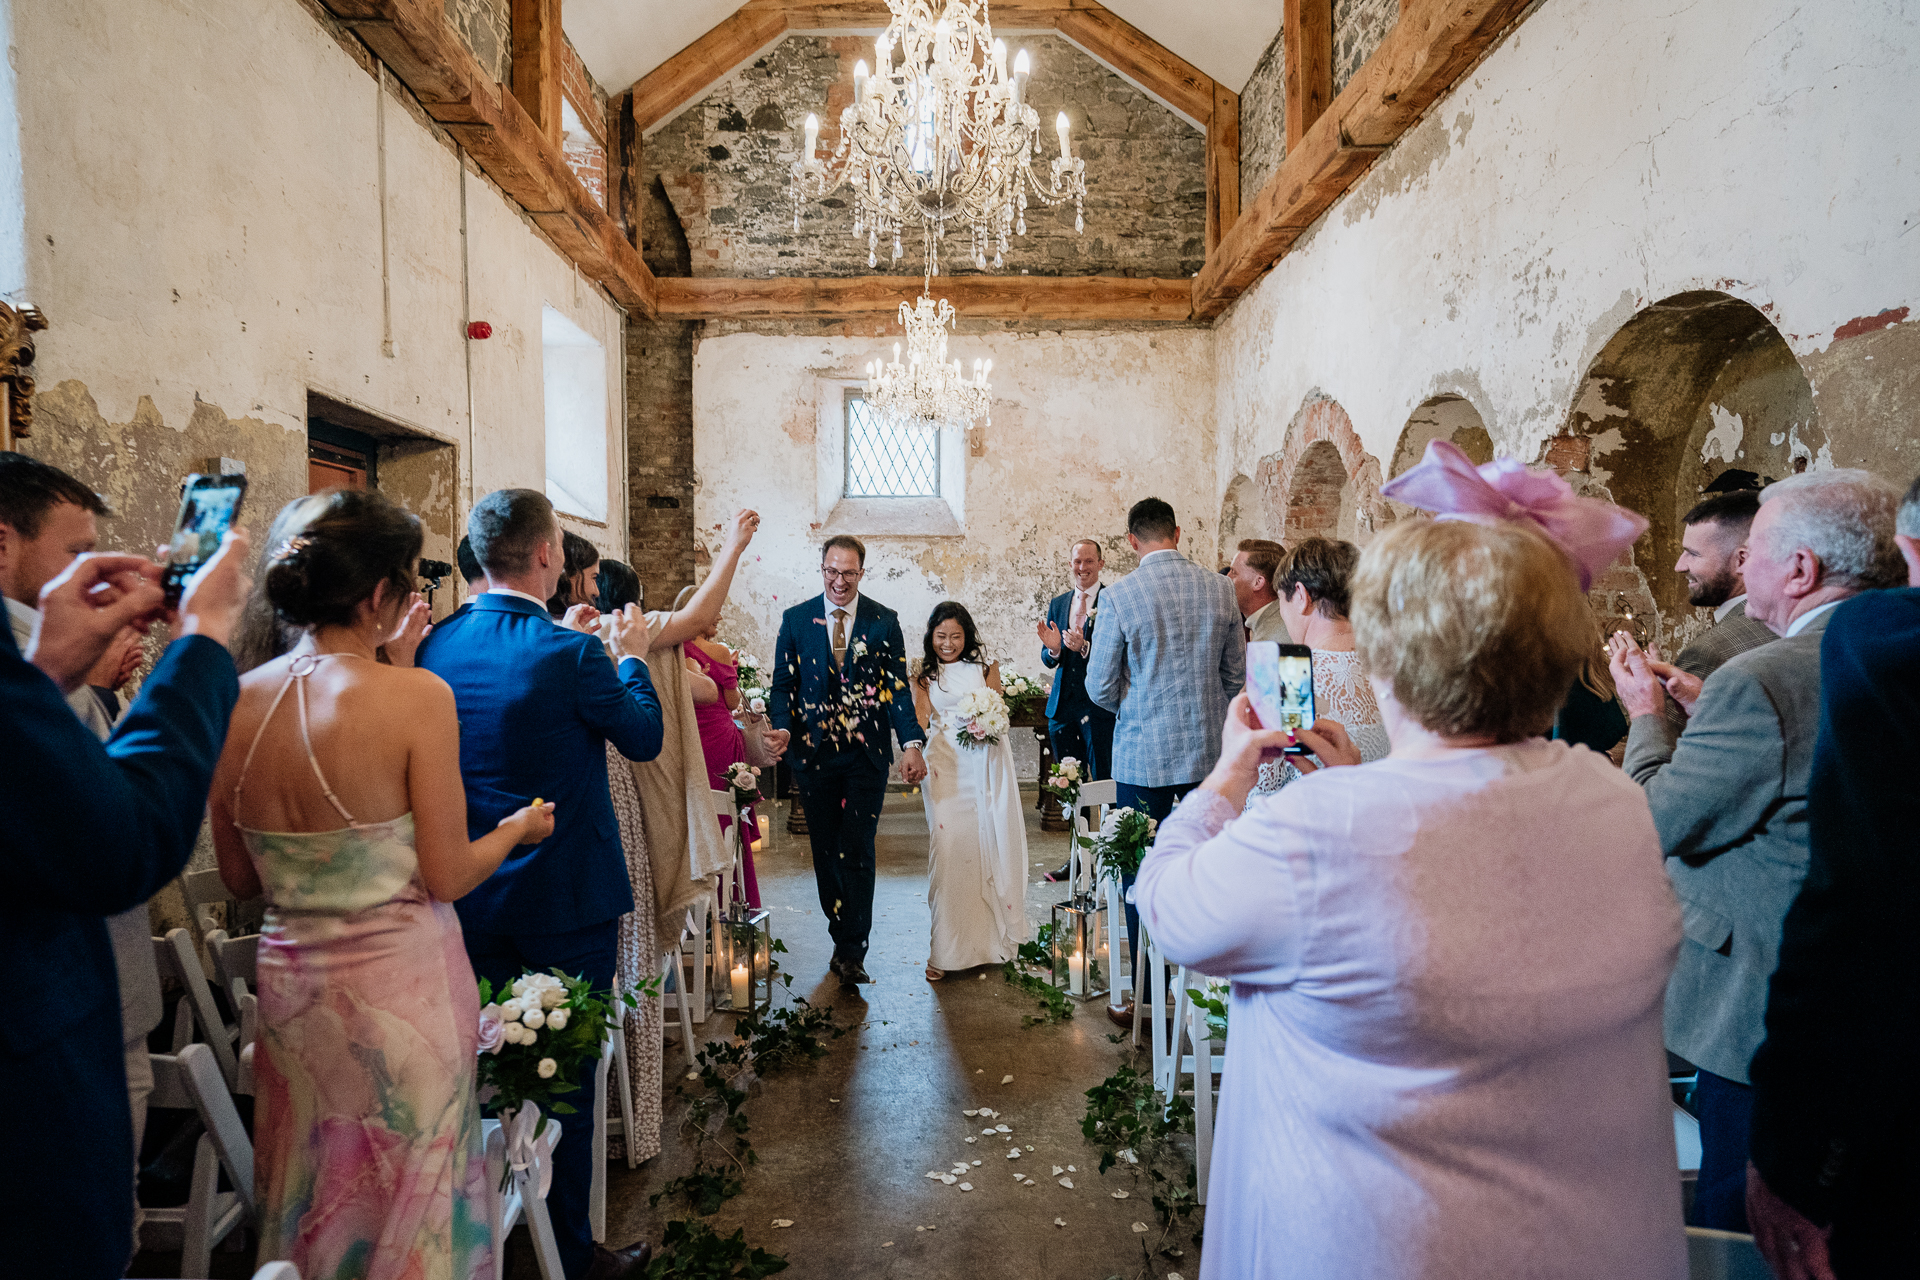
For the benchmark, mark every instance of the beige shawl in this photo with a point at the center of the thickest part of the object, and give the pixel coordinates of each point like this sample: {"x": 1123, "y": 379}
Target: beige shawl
{"x": 683, "y": 835}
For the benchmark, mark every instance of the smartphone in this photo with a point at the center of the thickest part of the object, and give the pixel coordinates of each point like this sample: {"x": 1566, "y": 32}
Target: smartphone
{"x": 208, "y": 507}
{"x": 1280, "y": 686}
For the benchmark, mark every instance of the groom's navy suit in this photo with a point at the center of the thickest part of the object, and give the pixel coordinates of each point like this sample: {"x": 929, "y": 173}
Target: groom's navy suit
{"x": 537, "y": 704}
{"x": 1077, "y": 726}
{"x": 841, "y": 769}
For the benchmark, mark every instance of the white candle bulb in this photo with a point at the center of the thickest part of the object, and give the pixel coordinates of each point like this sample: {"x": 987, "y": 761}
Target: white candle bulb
{"x": 813, "y": 133}
{"x": 1022, "y": 67}
{"x": 1000, "y": 59}
{"x": 1060, "y": 126}
{"x": 860, "y": 79}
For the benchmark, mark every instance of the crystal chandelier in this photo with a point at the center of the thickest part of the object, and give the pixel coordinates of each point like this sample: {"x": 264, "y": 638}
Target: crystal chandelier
{"x": 927, "y": 393}
{"x": 939, "y": 133}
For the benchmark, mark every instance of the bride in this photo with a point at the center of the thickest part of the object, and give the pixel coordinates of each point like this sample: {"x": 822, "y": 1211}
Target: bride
{"x": 977, "y": 860}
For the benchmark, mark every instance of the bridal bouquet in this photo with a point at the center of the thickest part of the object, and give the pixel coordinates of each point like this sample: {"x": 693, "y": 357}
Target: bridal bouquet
{"x": 1125, "y": 836}
{"x": 749, "y": 668}
{"x": 535, "y": 1044}
{"x": 1025, "y": 695}
{"x": 745, "y": 781}
{"x": 982, "y": 718}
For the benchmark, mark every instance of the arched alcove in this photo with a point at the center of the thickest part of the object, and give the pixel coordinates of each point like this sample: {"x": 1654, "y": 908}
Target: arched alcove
{"x": 1323, "y": 482}
{"x": 1692, "y": 386}
{"x": 1446, "y": 417}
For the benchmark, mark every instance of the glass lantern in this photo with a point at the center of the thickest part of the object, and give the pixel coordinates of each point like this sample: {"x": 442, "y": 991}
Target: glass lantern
{"x": 1079, "y": 956}
{"x": 743, "y": 961}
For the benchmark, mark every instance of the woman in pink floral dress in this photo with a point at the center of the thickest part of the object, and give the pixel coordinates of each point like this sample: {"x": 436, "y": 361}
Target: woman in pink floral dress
{"x": 367, "y": 1140}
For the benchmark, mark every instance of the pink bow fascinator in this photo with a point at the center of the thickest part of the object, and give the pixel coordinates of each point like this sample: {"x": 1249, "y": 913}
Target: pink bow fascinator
{"x": 1447, "y": 483}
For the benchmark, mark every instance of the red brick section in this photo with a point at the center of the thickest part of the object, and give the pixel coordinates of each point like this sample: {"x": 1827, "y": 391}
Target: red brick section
{"x": 1568, "y": 453}
{"x": 1300, "y": 486}
{"x": 588, "y": 160}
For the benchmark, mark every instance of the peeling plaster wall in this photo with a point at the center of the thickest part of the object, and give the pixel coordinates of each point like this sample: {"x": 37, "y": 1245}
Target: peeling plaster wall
{"x": 203, "y": 232}
{"x": 1605, "y": 156}
{"x": 1084, "y": 425}
{"x": 724, "y": 163}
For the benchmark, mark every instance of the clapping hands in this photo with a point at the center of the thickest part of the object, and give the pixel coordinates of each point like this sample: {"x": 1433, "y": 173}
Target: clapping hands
{"x": 416, "y": 623}
{"x": 1074, "y": 638}
{"x": 1643, "y": 680}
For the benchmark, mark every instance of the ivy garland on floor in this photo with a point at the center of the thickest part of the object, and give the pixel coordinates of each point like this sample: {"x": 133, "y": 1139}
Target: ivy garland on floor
{"x": 716, "y": 1123}
{"x": 1054, "y": 1004}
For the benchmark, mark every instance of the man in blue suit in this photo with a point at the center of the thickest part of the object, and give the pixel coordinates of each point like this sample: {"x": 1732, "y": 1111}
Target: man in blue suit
{"x": 839, "y": 687}
{"x": 93, "y": 829}
{"x": 538, "y": 703}
{"x": 1077, "y": 727}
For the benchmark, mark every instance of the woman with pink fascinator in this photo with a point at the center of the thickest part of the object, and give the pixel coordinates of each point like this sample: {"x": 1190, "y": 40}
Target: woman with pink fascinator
{"x": 1448, "y": 965}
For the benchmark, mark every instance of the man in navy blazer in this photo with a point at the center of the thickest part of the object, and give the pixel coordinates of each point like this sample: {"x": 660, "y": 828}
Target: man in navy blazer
{"x": 1077, "y": 726}
{"x": 538, "y": 703}
{"x": 93, "y": 829}
{"x": 839, "y": 688}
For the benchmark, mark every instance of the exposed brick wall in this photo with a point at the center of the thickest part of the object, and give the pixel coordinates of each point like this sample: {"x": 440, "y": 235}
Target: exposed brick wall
{"x": 1263, "y": 120}
{"x": 660, "y": 455}
{"x": 1358, "y": 28}
{"x": 1324, "y": 482}
{"x": 725, "y": 161}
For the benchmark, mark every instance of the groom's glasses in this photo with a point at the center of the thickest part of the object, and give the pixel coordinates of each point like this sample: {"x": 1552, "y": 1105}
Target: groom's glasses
{"x": 843, "y": 575}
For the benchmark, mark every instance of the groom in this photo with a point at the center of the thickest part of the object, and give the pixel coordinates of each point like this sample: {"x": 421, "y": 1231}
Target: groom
{"x": 839, "y": 686}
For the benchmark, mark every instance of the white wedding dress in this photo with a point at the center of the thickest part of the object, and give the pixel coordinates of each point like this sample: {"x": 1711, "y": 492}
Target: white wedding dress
{"x": 977, "y": 855}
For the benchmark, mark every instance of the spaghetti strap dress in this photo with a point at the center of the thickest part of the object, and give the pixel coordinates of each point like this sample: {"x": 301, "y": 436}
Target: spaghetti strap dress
{"x": 368, "y": 1157}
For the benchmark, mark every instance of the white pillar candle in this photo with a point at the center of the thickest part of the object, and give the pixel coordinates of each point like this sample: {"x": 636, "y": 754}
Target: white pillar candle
{"x": 741, "y": 988}
{"x": 1077, "y": 974}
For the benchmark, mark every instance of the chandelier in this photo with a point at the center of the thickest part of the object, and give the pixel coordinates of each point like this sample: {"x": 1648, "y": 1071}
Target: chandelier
{"x": 927, "y": 393}
{"x": 939, "y": 133}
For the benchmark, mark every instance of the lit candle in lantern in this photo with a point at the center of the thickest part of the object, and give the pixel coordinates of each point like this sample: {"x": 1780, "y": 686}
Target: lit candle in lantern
{"x": 1060, "y": 126}
{"x": 1077, "y": 974}
{"x": 813, "y": 134}
{"x": 741, "y": 988}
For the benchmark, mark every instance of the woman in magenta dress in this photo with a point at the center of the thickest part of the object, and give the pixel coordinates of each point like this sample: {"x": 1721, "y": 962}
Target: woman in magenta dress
{"x": 723, "y": 740}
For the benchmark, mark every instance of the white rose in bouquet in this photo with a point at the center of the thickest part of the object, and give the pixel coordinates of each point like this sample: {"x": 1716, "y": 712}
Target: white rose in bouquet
{"x": 982, "y": 718}
{"x": 547, "y": 1067}
{"x": 533, "y": 1018}
{"x": 557, "y": 1020}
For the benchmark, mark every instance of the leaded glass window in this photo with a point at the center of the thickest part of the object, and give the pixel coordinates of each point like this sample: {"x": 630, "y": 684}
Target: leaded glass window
{"x": 888, "y": 461}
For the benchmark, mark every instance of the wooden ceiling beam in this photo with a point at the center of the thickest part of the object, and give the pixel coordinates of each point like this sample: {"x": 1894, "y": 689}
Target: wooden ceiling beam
{"x": 1432, "y": 45}
{"x": 413, "y": 39}
{"x": 1102, "y": 298}
{"x": 536, "y": 62}
{"x": 1149, "y": 64}
{"x": 1306, "y": 28}
{"x": 696, "y": 68}
{"x": 1223, "y": 165}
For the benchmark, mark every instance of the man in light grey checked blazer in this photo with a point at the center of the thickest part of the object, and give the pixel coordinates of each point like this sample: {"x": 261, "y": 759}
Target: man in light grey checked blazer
{"x": 1169, "y": 654}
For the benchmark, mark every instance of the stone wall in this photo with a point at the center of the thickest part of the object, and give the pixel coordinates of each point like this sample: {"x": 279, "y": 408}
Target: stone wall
{"x": 1358, "y": 28}
{"x": 1263, "y": 119}
{"x": 724, "y": 163}
{"x": 1529, "y": 250}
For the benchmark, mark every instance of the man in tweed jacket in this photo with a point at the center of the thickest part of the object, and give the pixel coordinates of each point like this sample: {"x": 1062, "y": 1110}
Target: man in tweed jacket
{"x": 1729, "y": 796}
{"x": 1170, "y": 653}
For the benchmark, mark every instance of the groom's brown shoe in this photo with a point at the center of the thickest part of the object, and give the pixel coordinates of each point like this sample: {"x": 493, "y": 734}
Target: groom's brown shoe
{"x": 620, "y": 1264}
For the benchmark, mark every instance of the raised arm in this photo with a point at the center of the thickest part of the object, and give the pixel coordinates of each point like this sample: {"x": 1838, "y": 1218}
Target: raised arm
{"x": 1107, "y": 664}
{"x": 1710, "y": 788}
{"x": 622, "y": 707}
{"x": 703, "y": 611}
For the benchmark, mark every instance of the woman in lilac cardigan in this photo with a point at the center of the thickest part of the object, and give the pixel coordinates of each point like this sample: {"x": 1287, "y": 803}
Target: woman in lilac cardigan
{"x": 1448, "y": 966}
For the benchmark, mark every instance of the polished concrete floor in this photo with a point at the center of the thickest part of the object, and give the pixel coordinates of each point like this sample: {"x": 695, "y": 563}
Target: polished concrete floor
{"x": 845, "y": 1143}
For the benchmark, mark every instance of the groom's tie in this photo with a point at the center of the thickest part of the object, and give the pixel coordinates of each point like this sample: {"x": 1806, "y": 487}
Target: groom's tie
{"x": 1079, "y": 609}
{"x": 839, "y": 638}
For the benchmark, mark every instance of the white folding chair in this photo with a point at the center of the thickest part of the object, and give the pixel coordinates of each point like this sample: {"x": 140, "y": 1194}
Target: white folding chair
{"x": 1089, "y": 813}
{"x": 1194, "y": 1054}
{"x": 525, "y": 1194}
{"x": 1162, "y": 979}
{"x": 203, "y": 891}
{"x": 235, "y": 968}
{"x": 612, "y": 1064}
{"x": 175, "y": 955}
{"x": 681, "y": 990}
{"x": 190, "y": 1081}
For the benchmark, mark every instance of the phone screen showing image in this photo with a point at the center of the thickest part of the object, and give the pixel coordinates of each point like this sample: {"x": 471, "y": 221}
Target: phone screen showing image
{"x": 208, "y": 509}
{"x": 1280, "y": 686}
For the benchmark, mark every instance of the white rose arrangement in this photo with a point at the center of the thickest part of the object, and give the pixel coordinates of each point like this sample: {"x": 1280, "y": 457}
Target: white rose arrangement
{"x": 1024, "y": 694}
{"x": 537, "y": 1042}
{"x": 982, "y": 718}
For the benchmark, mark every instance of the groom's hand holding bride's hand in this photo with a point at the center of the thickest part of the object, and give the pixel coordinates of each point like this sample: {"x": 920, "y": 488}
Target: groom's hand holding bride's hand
{"x": 913, "y": 766}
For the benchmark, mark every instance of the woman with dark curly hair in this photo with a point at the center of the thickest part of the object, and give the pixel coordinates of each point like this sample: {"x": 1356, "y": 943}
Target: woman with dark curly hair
{"x": 977, "y": 858}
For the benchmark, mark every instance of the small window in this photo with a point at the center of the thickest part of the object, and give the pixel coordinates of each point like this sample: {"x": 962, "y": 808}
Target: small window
{"x": 574, "y": 368}
{"x": 888, "y": 461}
